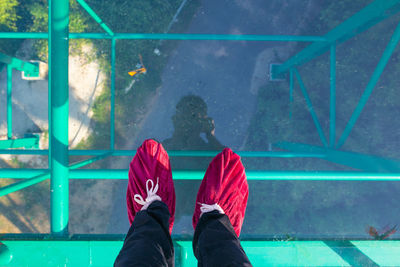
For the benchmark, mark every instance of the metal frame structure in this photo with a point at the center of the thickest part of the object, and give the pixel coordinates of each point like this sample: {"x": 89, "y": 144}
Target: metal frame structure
{"x": 99, "y": 250}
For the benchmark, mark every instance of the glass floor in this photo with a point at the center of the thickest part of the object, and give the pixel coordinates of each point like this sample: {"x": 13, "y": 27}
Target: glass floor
{"x": 304, "y": 91}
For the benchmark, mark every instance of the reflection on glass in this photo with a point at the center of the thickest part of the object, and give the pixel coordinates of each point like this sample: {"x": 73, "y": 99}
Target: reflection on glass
{"x": 193, "y": 130}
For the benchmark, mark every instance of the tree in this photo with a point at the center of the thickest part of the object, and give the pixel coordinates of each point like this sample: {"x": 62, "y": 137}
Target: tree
{"x": 8, "y": 15}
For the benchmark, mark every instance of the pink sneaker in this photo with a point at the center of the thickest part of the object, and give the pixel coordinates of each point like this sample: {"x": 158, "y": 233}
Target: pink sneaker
{"x": 150, "y": 179}
{"x": 224, "y": 188}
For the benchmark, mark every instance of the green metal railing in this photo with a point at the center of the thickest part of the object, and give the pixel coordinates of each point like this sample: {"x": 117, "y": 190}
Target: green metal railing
{"x": 371, "y": 168}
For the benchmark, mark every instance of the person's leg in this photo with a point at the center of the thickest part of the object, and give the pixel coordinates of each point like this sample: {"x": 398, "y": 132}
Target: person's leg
{"x": 219, "y": 213}
{"x": 148, "y": 242}
{"x": 215, "y": 242}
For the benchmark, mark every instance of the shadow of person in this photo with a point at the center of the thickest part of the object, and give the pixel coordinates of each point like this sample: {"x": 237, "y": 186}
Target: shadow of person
{"x": 193, "y": 130}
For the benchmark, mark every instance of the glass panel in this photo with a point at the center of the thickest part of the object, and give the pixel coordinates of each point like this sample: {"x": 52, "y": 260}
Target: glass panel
{"x": 325, "y": 209}
{"x": 89, "y": 94}
{"x": 206, "y": 17}
{"x": 204, "y": 95}
{"x": 94, "y": 208}
{"x": 25, "y": 211}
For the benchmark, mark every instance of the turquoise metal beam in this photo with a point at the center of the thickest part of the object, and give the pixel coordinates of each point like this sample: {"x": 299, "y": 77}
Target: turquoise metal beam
{"x": 24, "y": 152}
{"x": 226, "y": 37}
{"x": 332, "y": 113}
{"x": 44, "y": 174}
{"x": 49, "y": 95}
{"x": 86, "y": 162}
{"x": 91, "y": 35}
{"x": 268, "y": 253}
{"x": 112, "y": 100}
{"x": 23, "y": 184}
{"x": 168, "y": 36}
{"x": 45, "y": 35}
{"x": 185, "y": 237}
{"x": 198, "y": 175}
{"x": 311, "y": 109}
{"x": 171, "y": 153}
{"x": 371, "y": 85}
{"x": 367, "y": 17}
{"x": 28, "y": 142}
{"x": 261, "y": 253}
{"x": 9, "y": 102}
{"x": 251, "y": 175}
{"x": 363, "y": 162}
{"x": 93, "y": 14}
{"x": 58, "y": 55}
{"x": 18, "y": 64}
{"x": 24, "y": 35}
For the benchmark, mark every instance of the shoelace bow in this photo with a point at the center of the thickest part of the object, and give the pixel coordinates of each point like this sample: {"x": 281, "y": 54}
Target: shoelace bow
{"x": 151, "y": 195}
{"x": 207, "y": 208}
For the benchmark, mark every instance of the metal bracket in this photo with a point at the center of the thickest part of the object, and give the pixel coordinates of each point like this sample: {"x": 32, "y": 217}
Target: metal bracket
{"x": 272, "y": 73}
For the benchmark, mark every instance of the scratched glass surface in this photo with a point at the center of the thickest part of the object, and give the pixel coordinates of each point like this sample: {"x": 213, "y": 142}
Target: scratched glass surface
{"x": 204, "y": 95}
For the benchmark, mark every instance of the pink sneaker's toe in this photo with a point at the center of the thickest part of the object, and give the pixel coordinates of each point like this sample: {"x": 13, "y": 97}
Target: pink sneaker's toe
{"x": 151, "y": 162}
{"x": 224, "y": 184}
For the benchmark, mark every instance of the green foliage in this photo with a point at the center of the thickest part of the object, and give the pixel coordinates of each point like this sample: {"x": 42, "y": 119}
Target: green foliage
{"x": 8, "y": 15}
{"x": 78, "y": 22}
{"x": 8, "y": 22}
{"x": 101, "y": 107}
{"x": 120, "y": 16}
{"x": 39, "y": 13}
{"x": 133, "y": 16}
{"x": 78, "y": 19}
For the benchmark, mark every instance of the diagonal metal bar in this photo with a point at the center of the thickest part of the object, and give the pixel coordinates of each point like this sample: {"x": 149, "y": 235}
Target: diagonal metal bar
{"x": 19, "y": 64}
{"x": 364, "y": 19}
{"x": 93, "y": 14}
{"x": 23, "y": 184}
{"x": 371, "y": 85}
{"x": 86, "y": 162}
{"x": 310, "y": 108}
{"x": 42, "y": 175}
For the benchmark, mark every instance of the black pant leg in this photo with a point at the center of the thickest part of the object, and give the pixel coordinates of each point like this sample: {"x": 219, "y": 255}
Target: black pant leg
{"x": 215, "y": 242}
{"x": 148, "y": 242}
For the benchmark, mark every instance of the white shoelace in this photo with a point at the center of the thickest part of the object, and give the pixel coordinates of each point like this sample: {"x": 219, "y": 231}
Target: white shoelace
{"x": 207, "y": 208}
{"x": 151, "y": 195}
